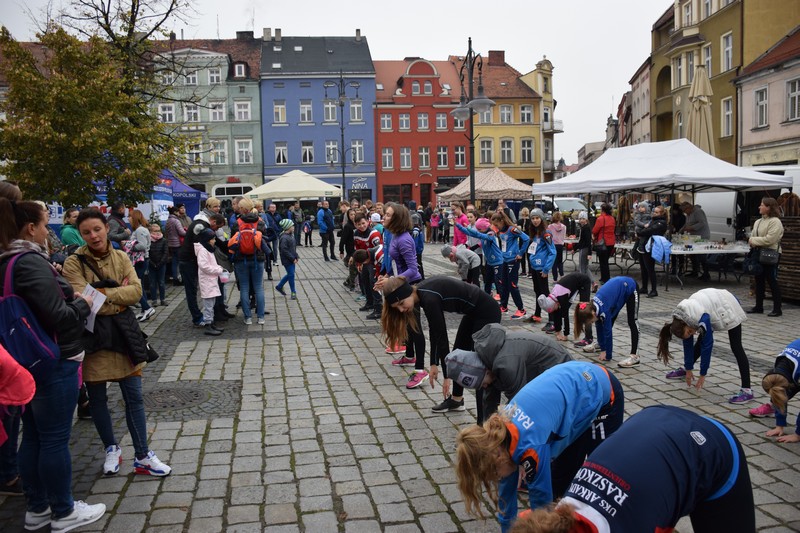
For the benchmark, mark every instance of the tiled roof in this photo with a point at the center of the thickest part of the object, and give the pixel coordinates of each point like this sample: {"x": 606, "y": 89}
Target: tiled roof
{"x": 500, "y": 80}
{"x": 246, "y": 50}
{"x": 785, "y": 49}
{"x": 388, "y": 73}
{"x": 317, "y": 55}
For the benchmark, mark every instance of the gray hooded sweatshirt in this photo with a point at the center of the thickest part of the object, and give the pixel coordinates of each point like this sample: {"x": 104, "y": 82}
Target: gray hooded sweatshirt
{"x": 515, "y": 358}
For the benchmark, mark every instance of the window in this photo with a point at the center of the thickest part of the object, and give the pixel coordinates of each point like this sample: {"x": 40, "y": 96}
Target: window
{"x": 441, "y": 121}
{"x": 166, "y": 113}
{"x": 526, "y": 154}
{"x": 707, "y": 58}
{"x": 386, "y": 122}
{"x": 689, "y": 67}
{"x": 191, "y": 113}
{"x": 486, "y": 151}
{"x": 761, "y": 118}
{"x": 214, "y": 76}
{"x": 458, "y": 124}
{"x": 486, "y": 116}
{"x": 506, "y": 151}
{"x": 356, "y": 111}
{"x": 194, "y": 153}
{"x": 219, "y": 152}
{"x": 329, "y": 108}
{"x": 281, "y": 153}
{"x": 424, "y": 157}
{"x": 307, "y": 152}
{"x": 244, "y": 151}
{"x": 441, "y": 157}
{"x": 687, "y": 14}
{"x": 678, "y": 72}
{"x": 460, "y": 153}
{"x": 679, "y": 121}
{"x": 216, "y": 110}
{"x": 239, "y": 70}
{"x": 727, "y": 117}
{"x": 190, "y": 78}
{"x": 548, "y": 150}
{"x": 526, "y": 114}
{"x": 331, "y": 152}
{"x": 793, "y": 99}
{"x": 357, "y": 149}
{"x": 279, "y": 111}
{"x": 506, "y": 112}
{"x": 414, "y": 87}
{"x": 546, "y": 84}
{"x": 405, "y": 157}
{"x": 727, "y": 52}
{"x": 706, "y": 8}
{"x": 387, "y": 158}
{"x": 305, "y": 111}
{"x": 546, "y": 115}
{"x": 422, "y": 121}
{"x": 405, "y": 121}
{"x": 167, "y": 77}
{"x": 428, "y": 88}
{"x": 243, "y": 110}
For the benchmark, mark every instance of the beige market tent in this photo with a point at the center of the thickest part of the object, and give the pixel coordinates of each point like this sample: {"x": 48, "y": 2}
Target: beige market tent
{"x": 295, "y": 185}
{"x": 490, "y": 184}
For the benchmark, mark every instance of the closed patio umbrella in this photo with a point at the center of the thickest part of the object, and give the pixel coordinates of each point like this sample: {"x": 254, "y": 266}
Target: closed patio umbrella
{"x": 700, "y": 130}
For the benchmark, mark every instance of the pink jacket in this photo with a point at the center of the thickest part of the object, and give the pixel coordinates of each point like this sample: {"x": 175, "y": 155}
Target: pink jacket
{"x": 207, "y": 272}
{"x": 460, "y": 237}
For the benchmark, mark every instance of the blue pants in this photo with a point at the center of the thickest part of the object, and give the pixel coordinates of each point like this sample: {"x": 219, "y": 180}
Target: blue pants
{"x": 158, "y": 284}
{"x": 189, "y": 275}
{"x": 131, "y": 388}
{"x": 141, "y": 271}
{"x": 288, "y": 278}
{"x": 45, "y": 464}
{"x": 173, "y": 252}
{"x": 506, "y": 277}
{"x": 250, "y": 271}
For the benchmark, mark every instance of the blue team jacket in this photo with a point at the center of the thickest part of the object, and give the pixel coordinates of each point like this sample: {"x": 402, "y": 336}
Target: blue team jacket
{"x": 491, "y": 249}
{"x": 544, "y": 252}
{"x": 608, "y": 302}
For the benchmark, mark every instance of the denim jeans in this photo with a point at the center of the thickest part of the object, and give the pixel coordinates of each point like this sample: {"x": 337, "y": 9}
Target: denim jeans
{"x": 250, "y": 270}
{"x": 189, "y": 275}
{"x": 141, "y": 271}
{"x": 45, "y": 464}
{"x": 289, "y": 277}
{"x": 158, "y": 284}
{"x": 9, "y": 469}
{"x": 131, "y": 388}
{"x": 173, "y": 252}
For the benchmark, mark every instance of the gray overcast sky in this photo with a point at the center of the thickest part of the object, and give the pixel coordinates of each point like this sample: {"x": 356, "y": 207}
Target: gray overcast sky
{"x": 595, "y": 46}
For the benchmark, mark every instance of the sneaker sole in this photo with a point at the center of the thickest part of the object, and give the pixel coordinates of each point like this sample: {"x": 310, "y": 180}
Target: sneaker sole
{"x": 771, "y": 415}
{"x": 148, "y": 472}
{"x": 449, "y": 410}
{"x": 410, "y": 363}
{"x": 740, "y": 401}
{"x": 417, "y": 384}
{"x": 628, "y": 365}
{"x": 70, "y": 527}
{"x": 36, "y": 527}
{"x": 675, "y": 377}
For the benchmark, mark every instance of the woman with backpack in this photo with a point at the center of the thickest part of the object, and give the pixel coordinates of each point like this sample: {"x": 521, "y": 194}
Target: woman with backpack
{"x": 44, "y": 456}
{"x": 249, "y": 250}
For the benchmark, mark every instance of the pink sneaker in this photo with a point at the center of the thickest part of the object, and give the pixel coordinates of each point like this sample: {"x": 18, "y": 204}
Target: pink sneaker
{"x": 520, "y": 314}
{"x": 496, "y": 297}
{"x": 395, "y": 349}
{"x": 763, "y": 411}
{"x": 503, "y": 309}
{"x": 416, "y": 379}
{"x": 404, "y": 361}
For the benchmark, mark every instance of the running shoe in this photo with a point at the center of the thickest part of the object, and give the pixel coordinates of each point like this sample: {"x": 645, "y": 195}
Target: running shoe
{"x": 582, "y": 343}
{"x": 416, "y": 379}
{"x": 536, "y": 319}
{"x": 395, "y": 349}
{"x": 519, "y": 315}
{"x": 678, "y": 373}
{"x": 113, "y": 460}
{"x": 763, "y": 411}
{"x": 81, "y": 515}
{"x": 449, "y": 405}
{"x": 631, "y": 360}
{"x": 405, "y": 361}
{"x": 151, "y": 465}
{"x": 503, "y": 309}
{"x": 744, "y": 396}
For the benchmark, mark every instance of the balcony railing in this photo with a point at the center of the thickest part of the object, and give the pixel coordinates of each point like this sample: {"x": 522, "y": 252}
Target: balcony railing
{"x": 553, "y": 126}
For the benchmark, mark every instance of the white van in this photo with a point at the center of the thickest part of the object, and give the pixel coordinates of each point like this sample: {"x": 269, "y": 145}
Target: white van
{"x": 565, "y": 204}
{"x": 721, "y": 209}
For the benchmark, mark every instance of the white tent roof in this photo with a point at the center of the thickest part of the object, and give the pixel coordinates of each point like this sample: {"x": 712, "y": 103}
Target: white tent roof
{"x": 660, "y": 167}
{"x": 294, "y": 185}
{"x": 490, "y": 184}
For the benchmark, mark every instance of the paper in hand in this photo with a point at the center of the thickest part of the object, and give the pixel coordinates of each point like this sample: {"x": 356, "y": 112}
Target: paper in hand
{"x": 98, "y": 299}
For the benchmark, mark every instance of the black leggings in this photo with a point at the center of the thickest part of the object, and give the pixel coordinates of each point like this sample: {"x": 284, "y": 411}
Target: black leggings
{"x": 470, "y": 325}
{"x": 541, "y": 285}
{"x": 415, "y": 341}
{"x": 632, "y": 308}
{"x": 735, "y": 339}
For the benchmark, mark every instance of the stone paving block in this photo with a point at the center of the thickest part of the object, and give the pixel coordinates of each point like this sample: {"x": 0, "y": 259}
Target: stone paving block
{"x": 243, "y": 513}
{"x": 402, "y": 528}
{"x": 428, "y": 504}
{"x": 109, "y": 484}
{"x": 311, "y": 504}
{"x": 168, "y": 516}
{"x": 142, "y": 486}
{"x": 207, "y": 508}
{"x": 374, "y": 479}
{"x": 314, "y": 487}
{"x": 212, "y": 488}
{"x": 125, "y": 523}
{"x": 395, "y": 512}
{"x": 247, "y": 495}
{"x": 178, "y": 483}
{"x": 322, "y": 521}
{"x": 281, "y": 513}
{"x": 437, "y": 523}
{"x": 135, "y": 504}
{"x": 362, "y": 526}
{"x": 216, "y": 459}
{"x": 281, "y": 493}
{"x": 415, "y": 488}
{"x": 250, "y": 527}
{"x": 387, "y": 494}
{"x": 374, "y": 465}
{"x": 306, "y": 458}
{"x": 206, "y": 525}
{"x": 279, "y": 476}
{"x": 357, "y": 506}
{"x": 215, "y": 472}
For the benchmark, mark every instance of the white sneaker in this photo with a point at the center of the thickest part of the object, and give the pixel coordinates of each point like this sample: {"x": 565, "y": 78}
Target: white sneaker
{"x": 248, "y": 321}
{"x": 81, "y": 514}
{"x": 151, "y": 466}
{"x": 261, "y": 322}
{"x": 113, "y": 460}
{"x": 591, "y": 348}
{"x": 145, "y": 315}
{"x": 34, "y": 521}
{"x": 631, "y": 360}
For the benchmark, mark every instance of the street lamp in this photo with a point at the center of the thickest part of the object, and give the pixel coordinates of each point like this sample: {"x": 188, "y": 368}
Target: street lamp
{"x": 470, "y": 104}
{"x": 342, "y": 85}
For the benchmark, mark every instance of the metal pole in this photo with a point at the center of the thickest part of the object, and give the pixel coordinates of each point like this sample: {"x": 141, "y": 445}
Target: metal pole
{"x": 470, "y": 70}
{"x": 341, "y": 126}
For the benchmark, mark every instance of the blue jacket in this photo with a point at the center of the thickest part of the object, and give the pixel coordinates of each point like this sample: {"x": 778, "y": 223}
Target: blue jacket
{"x": 325, "y": 220}
{"x": 513, "y": 242}
{"x": 547, "y": 415}
{"x": 387, "y": 259}
{"x": 419, "y": 239}
{"x": 491, "y": 249}
{"x": 788, "y": 365}
{"x": 608, "y": 302}
{"x": 542, "y": 252}
{"x": 660, "y": 249}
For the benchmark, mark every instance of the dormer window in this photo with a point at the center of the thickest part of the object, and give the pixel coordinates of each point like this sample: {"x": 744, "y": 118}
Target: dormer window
{"x": 239, "y": 70}
{"x": 298, "y": 48}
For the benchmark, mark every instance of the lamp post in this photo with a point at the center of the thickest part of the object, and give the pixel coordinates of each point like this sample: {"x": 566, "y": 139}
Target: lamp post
{"x": 341, "y": 85}
{"x": 470, "y": 104}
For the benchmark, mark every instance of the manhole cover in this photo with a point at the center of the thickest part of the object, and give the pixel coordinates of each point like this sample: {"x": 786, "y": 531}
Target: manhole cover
{"x": 167, "y": 399}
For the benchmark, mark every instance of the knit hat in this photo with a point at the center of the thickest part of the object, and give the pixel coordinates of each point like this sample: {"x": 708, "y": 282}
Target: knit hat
{"x": 447, "y": 250}
{"x": 205, "y": 236}
{"x": 538, "y": 213}
{"x": 375, "y": 217}
{"x": 482, "y": 224}
{"x": 583, "y": 215}
{"x": 547, "y": 302}
{"x": 465, "y": 368}
{"x": 285, "y": 224}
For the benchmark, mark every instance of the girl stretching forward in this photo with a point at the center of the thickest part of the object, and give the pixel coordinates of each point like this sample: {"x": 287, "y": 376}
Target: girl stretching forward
{"x": 604, "y": 309}
{"x": 782, "y": 383}
{"x": 542, "y": 254}
{"x": 703, "y": 313}
{"x": 557, "y": 303}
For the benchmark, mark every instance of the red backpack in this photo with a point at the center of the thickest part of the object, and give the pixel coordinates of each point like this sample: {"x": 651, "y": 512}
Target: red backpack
{"x": 248, "y": 238}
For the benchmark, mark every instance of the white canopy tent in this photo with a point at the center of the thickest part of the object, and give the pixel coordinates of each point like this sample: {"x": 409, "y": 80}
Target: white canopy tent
{"x": 661, "y": 167}
{"x": 490, "y": 184}
{"x": 295, "y": 185}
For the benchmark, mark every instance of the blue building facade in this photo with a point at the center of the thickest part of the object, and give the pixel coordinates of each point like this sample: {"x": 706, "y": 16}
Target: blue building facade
{"x": 302, "y": 112}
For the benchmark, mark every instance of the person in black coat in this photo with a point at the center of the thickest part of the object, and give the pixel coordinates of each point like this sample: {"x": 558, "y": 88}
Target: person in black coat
{"x": 347, "y": 243}
{"x": 656, "y": 226}
{"x": 158, "y": 264}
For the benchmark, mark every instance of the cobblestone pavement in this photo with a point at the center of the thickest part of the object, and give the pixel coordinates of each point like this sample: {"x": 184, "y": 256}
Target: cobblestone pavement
{"x": 303, "y": 424}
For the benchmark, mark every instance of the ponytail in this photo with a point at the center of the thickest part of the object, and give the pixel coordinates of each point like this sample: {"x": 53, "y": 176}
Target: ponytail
{"x": 476, "y": 463}
{"x": 775, "y": 385}
{"x": 550, "y": 519}
{"x": 678, "y": 328}
{"x": 584, "y": 312}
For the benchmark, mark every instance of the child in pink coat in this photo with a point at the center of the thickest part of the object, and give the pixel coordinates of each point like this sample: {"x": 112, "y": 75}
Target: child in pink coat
{"x": 207, "y": 273}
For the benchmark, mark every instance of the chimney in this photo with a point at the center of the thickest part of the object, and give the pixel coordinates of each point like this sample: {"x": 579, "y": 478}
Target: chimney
{"x": 267, "y": 34}
{"x": 358, "y": 35}
{"x": 277, "y": 34}
{"x": 172, "y": 36}
{"x": 497, "y": 57}
{"x": 244, "y": 36}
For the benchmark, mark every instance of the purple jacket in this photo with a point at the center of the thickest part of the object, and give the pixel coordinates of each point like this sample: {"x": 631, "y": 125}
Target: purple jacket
{"x": 403, "y": 252}
{"x": 175, "y": 231}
